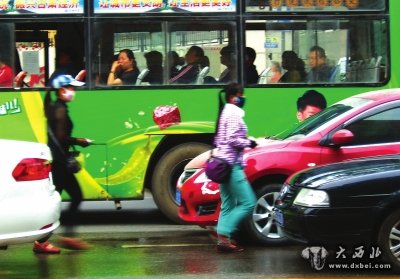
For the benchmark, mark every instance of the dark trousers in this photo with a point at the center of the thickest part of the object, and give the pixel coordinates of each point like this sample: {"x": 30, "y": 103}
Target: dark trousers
{"x": 66, "y": 181}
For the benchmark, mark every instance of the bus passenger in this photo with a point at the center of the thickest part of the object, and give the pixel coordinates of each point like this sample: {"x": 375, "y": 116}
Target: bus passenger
{"x": 250, "y": 71}
{"x": 6, "y": 74}
{"x": 154, "y": 64}
{"x": 66, "y": 64}
{"x": 188, "y": 74}
{"x": 174, "y": 63}
{"x": 123, "y": 71}
{"x": 312, "y": 102}
{"x": 320, "y": 71}
{"x": 276, "y": 72}
{"x": 294, "y": 66}
{"x": 228, "y": 59}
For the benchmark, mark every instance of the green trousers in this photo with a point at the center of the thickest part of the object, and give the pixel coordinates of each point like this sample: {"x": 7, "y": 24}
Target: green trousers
{"x": 238, "y": 201}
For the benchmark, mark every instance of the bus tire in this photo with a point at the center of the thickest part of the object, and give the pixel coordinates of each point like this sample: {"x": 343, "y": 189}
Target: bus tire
{"x": 166, "y": 174}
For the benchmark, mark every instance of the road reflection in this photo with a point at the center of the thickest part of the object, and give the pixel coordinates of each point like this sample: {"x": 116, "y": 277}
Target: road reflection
{"x": 174, "y": 253}
{"x": 163, "y": 255}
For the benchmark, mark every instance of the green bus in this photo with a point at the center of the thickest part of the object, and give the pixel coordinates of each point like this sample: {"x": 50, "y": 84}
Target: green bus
{"x": 145, "y": 132}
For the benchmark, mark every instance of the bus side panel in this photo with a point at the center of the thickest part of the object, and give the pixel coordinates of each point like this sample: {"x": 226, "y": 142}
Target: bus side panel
{"x": 22, "y": 117}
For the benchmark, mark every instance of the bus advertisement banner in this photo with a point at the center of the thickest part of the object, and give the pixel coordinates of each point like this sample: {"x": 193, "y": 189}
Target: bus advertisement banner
{"x": 29, "y": 7}
{"x": 314, "y": 5}
{"x": 164, "y": 6}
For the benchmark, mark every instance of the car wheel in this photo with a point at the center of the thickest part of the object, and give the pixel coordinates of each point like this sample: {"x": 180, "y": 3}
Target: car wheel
{"x": 389, "y": 240}
{"x": 261, "y": 226}
{"x": 166, "y": 174}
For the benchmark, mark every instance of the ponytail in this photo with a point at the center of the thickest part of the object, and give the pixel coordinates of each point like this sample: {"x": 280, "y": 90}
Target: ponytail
{"x": 223, "y": 97}
{"x": 47, "y": 103}
{"x": 220, "y": 108}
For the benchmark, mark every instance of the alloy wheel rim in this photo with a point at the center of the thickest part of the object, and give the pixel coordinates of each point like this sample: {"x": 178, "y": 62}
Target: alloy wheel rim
{"x": 264, "y": 216}
{"x": 394, "y": 240}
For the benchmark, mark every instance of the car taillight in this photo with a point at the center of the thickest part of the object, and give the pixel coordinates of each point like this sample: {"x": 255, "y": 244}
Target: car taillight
{"x": 32, "y": 169}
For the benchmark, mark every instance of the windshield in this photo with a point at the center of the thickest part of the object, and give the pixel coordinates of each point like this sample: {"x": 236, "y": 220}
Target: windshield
{"x": 309, "y": 125}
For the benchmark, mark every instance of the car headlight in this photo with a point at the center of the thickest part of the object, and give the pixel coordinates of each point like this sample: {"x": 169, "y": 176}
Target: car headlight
{"x": 186, "y": 174}
{"x": 312, "y": 198}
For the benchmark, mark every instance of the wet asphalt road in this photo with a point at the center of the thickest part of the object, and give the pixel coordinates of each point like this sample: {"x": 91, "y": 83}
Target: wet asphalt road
{"x": 140, "y": 243}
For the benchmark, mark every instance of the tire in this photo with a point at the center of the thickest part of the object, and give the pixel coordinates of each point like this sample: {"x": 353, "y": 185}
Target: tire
{"x": 166, "y": 174}
{"x": 389, "y": 240}
{"x": 261, "y": 226}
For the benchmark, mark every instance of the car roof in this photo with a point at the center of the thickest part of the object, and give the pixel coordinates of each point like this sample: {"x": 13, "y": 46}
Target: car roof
{"x": 377, "y": 95}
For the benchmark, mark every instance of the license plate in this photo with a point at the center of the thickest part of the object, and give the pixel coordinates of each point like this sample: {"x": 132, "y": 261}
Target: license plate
{"x": 279, "y": 217}
{"x": 178, "y": 197}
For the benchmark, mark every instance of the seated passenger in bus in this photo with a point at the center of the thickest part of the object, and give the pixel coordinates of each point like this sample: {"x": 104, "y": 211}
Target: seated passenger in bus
{"x": 250, "y": 71}
{"x": 6, "y": 74}
{"x": 174, "y": 63}
{"x": 66, "y": 64}
{"x": 320, "y": 71}
{"x": 154, "y": 61}
{"x": 188, "y": 74}
{"x": 294, "y": 66}
{"x": 228, "y": 59}
{"x": 276, "y": 72}
{"x": 123, "y": 71}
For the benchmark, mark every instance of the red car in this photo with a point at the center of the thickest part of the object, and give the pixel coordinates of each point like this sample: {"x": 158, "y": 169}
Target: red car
{"x": 360, "y": 126}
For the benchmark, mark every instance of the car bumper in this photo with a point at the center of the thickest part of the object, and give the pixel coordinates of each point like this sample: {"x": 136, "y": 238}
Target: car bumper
{"x": 327, "y": 225}
{"x": 28, "y": 219}
{"x": 200, "y": 205}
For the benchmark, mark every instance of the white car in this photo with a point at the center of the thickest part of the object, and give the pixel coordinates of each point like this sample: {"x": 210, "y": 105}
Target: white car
{"x": 30, "y": 206}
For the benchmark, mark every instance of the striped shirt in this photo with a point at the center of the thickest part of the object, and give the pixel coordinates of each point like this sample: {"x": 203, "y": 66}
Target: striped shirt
{"x": 186, "y": 75}
{"x": 231, "y": 137}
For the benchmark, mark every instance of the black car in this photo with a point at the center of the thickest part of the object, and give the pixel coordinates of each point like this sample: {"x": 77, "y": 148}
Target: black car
{"x": 355, "y": 202}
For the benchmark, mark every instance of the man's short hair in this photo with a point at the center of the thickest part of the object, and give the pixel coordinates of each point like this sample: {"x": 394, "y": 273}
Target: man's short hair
{"x": 227, "y": 50}
{"x": 319, "y": 50}
{"x": 311, "y": 98}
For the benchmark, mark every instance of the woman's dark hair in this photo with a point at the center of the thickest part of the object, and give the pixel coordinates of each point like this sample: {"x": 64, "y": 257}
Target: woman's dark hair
{"x": 47, "y": 102}
{"x": 174, "y": 59}
{"x": 229, "y": 90}
{"x": 128, "y": 53}
{"x": 291, "y": 62}
{"x": 198, "y": 51}
{"x": 154, "y": 59}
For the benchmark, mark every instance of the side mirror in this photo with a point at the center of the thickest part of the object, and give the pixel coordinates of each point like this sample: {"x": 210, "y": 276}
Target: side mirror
{"x": 342, "y": 137}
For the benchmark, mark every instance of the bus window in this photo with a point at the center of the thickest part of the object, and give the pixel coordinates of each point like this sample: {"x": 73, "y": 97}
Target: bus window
{"x": 314, "y": 6}
{"x": 48, "y": 49}
{"x": 329, "y": 51}
{"x": 213, "y": 38}
{"x": 112, "y": 37}
{"x": 162, "y": 52}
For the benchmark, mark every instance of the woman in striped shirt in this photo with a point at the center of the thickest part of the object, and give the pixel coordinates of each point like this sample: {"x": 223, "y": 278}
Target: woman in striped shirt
{"x": 237, "y": 196}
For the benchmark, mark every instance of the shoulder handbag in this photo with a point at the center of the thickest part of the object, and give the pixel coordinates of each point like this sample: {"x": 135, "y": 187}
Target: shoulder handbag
{"x": 218, "y": 169}
{"x": 71, "y": 163}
